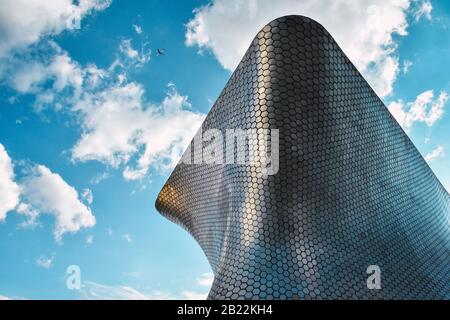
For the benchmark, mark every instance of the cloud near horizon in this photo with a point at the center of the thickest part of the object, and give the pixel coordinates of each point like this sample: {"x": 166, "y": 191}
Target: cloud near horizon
{"x": 95, "y": 291}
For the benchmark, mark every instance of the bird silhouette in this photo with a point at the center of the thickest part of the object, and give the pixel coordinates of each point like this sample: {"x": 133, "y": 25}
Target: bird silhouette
{"x": 160, "y": 51}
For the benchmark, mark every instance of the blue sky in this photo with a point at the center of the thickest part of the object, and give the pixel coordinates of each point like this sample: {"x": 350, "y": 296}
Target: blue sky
{"x": 92, "y": 120}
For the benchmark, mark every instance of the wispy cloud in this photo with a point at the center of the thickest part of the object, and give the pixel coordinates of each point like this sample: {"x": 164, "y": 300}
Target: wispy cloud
{"x": 45, "y": 262}
{"x": 425, "y": 108}
{"x": 206, "y": 279}
{"x": 99, "y": 178}
{"x": 438, "y": 152}
{"x": 89, "y": 239}
{"x": 136, "y": 58}
{"x": 137, "y": 28}
{"x": 423, "y": 9}
{"x": 87, "y": 196}
{"x": 407, "y": 64}
{"x": 95, "y": 291}
{"x": 127, "y": 237}
{"x": 193, "y": 295}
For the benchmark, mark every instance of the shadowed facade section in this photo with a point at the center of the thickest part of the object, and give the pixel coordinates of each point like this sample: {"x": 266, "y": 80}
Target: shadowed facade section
{"x": 351, "y": 190}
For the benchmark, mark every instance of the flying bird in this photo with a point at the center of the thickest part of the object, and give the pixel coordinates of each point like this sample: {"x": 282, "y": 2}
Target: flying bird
{"x": 160, "y": 52}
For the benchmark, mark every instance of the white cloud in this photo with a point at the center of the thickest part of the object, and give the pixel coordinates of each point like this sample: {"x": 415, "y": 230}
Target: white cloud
{"x": 127, "y": 238}
{"x": 206, "y": 279}
{"x": 30, "y": 213}
{"x": 137, "y": 28}
{"x": 137, "y": 58}
{"x": 396, "y": 109}
{"x": 65, "y": 72}
{"x": 145, "y": 133}
{"x": 28, "y": 76}
{"x": 86, "y": 195}
{"x": 382, "y": 76}
{"x": 125, "y": 47}
{"x": 155, "y": 134}
{"x": 31, "y": 62}
{"x": 95, "y": 291}
{"x": 47, "y": 75}
{"x": 94, "y": 75}
{"x": 9, "y": 190}
{"x": 434, "y": 154}
{"x": 423, "y": 10}
{"x": 45, "y": 262}
{"x": 193, "y": 295}
{"x": 42, "y": 191}
{"x": 161, "y": 295}
{"x": 118, "y": 125}
{"x": 4, "y": 298}
{"x": 99, "y": 178}
{"x": 89, "y": 239}
{"x": 424, "y": 109}
{"x": 407, "y": 64}
{"x": 47, "y": 192}
{"x": 25, "y": 22}
{"x": 364, "y": 29}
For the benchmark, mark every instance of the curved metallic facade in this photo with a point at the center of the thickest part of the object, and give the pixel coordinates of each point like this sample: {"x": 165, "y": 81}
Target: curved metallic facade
{"x": 351, "y": 190}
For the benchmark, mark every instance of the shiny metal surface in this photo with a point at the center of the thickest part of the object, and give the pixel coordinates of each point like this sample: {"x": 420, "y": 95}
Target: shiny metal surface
{"x": 351, "y": 191}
